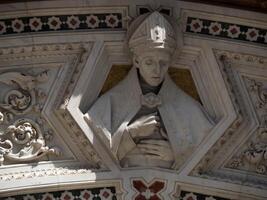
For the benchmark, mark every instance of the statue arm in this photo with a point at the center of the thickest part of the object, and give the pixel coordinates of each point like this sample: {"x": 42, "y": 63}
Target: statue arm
{"x": 120, "y": 141}
{"x": 125, "y": 143}
{"x": 141, "y": 127}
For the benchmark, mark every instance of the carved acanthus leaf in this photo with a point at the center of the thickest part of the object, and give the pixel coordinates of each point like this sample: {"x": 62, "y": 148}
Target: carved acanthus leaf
{"x": 22, "y": 98}
{"x": 23, "y": 136}
{"x": 23, "y": 141}
{"x": 253, "y": 157}
{"x": 249, "y": 159}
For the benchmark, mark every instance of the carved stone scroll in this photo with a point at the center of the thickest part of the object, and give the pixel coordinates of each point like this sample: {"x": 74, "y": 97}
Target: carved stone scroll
{"x": 22, "y": 136}
{"x": 22, "y": 98}
{"x": 253, "y": 156}
{"x": 23, "y": 141}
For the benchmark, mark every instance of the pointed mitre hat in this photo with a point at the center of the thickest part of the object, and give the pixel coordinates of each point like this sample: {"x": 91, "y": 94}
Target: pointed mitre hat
{"x": 151, "y": 31}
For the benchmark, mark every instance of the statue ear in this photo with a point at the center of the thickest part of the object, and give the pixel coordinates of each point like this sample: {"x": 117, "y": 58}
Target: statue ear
{"x": 135, "y": 61}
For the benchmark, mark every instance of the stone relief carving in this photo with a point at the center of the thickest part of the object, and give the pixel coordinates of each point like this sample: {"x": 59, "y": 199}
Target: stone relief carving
{"x": 260, "y": 91}
{"x": 229, "y": 136}
{"x": 42, "y": 173}
{"x": 73, "y": 53}
{"x": 22, "y": 98}
{"x": 253, "y": 157}
{"x": 81, "y": 140}
{"x": 21, "y": 138}
{"x": 221, "y": 156}
{"x": 146, "y": 119}
{"x": 23, "y": 141}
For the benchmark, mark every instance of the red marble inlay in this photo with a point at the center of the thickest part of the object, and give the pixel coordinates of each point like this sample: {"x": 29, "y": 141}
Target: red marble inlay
{"x": 154, "y": 197}
{"x": 215, "y": 28}
{"x": 106, "y": 194}
{"x": 92, "y": 21}
{"x": 252, "y": 34}
{"x": 35, "y": 23}
{"x": 153, "y": 189}
{"x": 156, "y": 186}
{"x": 196, "y": 25}
{"x": 73, "y": 22}
{"x": 1, "y": 27}
{"x": 54, "y": 23}
{"x": 86, "y": 195}
{"x": 190, "y": 198}
{"x": 67, "y": 197}
{"x": 112, "y": 20}
{"x": 140, "y": 197}
{"x": 233, "y": 31}
{"x": 17, "y": 25}
{"x": 139, "y": 185}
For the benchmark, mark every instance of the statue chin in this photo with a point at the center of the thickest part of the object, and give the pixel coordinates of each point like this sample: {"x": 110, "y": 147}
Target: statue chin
{"x": 153, "y": 82}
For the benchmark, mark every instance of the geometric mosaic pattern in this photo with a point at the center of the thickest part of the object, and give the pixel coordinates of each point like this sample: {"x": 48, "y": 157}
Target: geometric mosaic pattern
{"x": 106, "y": 193}
{"x": 197, "y": 196}
{"x": 61, "y": 23}
{"x": 146, "y": 190}
{"x": 226, "y": 30}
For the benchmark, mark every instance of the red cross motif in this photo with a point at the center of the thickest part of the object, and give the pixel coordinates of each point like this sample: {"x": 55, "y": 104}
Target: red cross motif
{"x": 215, "y": 28}
{"x": 148, "y": 191}
{"x": 233, "y": 31}
{"x": 196, "y": 25}
{"x": 252, "y": 34}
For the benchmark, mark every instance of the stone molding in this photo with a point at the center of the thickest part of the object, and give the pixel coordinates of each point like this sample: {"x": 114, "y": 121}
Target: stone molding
{"x": 209, "y": 167}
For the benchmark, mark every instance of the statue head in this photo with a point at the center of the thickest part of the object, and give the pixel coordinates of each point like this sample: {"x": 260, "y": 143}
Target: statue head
{"x": 152, "y": 41}
{"x": 153, "y": 65}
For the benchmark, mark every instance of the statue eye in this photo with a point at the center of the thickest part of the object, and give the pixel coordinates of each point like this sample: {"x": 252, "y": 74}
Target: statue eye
{"x": 148, "y": 62}
{"x": 163, "y": 63}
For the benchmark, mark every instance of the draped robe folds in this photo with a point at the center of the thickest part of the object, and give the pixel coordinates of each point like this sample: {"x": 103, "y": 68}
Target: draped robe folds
{"x": 185, "y": 121}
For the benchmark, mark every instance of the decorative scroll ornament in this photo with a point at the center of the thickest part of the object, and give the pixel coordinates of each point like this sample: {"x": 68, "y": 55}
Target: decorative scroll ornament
{"x": 261, "y": 93}
{"x": 254, "y": 155}
{"x": 23, "y": 142}
{"x": 22, "y": 98}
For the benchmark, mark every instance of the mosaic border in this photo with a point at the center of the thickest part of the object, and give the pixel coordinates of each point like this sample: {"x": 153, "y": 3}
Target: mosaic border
{"x": 226, "y": 30}
{"x": 185, "y": 195}
{"x": 103, "y": 193}
{"x": 107, "y": 21}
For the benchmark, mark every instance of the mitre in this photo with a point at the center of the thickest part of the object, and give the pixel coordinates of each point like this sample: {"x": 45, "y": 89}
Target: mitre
{"x": 151, "y": 31}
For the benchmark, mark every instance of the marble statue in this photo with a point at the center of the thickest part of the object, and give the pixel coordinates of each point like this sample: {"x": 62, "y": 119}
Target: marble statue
{"x": 149, "y": 121}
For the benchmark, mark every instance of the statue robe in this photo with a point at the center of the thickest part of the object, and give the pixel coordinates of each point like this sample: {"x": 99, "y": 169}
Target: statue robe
{"x": 185, "y": 121}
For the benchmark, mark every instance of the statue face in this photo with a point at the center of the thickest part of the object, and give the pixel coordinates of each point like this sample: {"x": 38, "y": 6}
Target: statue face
{"x": 153, "y": 66}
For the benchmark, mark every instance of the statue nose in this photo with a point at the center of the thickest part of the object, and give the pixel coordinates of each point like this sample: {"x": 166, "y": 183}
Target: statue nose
{"x": 157, "y": 69}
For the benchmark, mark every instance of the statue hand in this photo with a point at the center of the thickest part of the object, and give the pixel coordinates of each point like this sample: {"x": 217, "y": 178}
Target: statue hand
{"x": 144, "y": 126}
{"x": 158, "y": 149}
